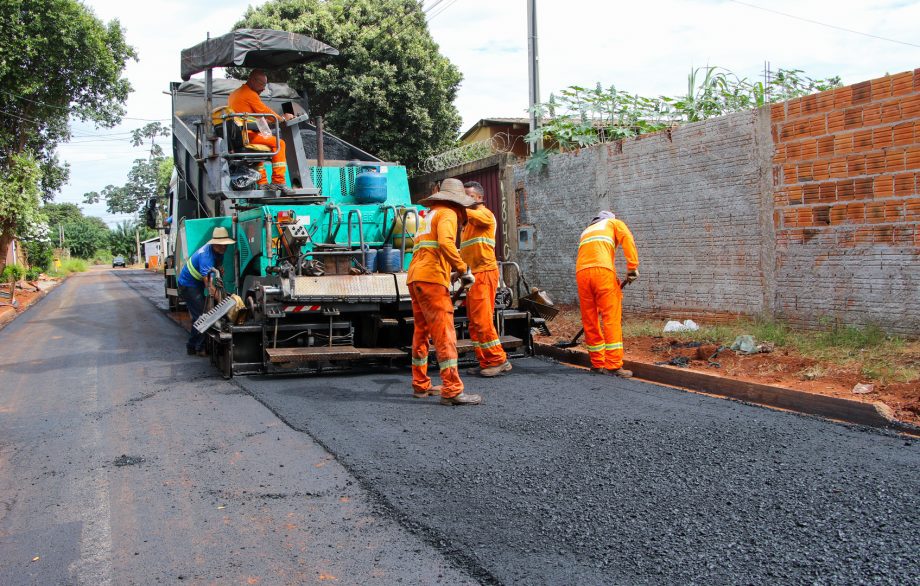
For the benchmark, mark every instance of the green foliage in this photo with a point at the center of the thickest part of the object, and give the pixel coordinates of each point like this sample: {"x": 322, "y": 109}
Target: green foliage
{"x": 84, "y": 236}
{"x": 19, "y": 197}
{"x": 40, "y": 254}
{"x": 122, "y": 239}
{"x": 579, "y": 117}
{"x": 33, "y": 273}
{"x": 71, "y": 265}
{"x": 57, "y": 61}
{"x": 61, "y": 213}
{"x": 12, "y": 273}
{"x": 390, "y": 91}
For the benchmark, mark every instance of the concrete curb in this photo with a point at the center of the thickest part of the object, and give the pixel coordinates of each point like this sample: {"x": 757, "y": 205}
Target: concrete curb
{"x": 870, "y": 414}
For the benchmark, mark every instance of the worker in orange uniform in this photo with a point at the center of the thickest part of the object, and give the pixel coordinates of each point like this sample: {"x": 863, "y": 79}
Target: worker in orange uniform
{"x": 599, "y": 290}
{"x": 434, "y": 255}
{"x": 477, "y": 248}
{"x": 245, "y": 100}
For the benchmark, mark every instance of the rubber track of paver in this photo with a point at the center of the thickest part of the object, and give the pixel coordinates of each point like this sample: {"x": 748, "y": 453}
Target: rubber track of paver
{"x": 566, "y": 477}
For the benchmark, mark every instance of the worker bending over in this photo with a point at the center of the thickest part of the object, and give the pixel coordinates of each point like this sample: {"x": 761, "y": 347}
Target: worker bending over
{"x": 195, "y": 277}
{"x": 477, "y": 248}
{"x": 434, "y": 255}
{"x": 245, "y": 100}
{"x": 599, "y": 292}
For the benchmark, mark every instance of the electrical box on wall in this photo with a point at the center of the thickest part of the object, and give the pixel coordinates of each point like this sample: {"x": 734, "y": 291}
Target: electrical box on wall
{"x": 526, "y": 236}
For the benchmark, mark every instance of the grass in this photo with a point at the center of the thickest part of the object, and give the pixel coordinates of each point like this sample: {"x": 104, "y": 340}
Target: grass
{"x": 71, "y": 265}
{"x": 878, "y": 356}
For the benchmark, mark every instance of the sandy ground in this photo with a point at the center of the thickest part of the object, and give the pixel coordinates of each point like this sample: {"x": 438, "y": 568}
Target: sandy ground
{"x": 782, "y": 367}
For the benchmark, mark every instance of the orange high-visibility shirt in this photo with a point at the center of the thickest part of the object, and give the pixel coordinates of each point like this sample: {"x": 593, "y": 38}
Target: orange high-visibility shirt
{"x": 598, "y": 243}
{"x": 477, "y": 243}
{"x": 244, "y": 100}
{"x": 435, "y": 252}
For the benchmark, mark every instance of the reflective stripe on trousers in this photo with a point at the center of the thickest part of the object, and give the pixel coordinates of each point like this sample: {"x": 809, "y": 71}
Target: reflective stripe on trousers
{"x": 433, "y": 315}
{"x": 601, "y": 300}
{"x": 480, "y": 308}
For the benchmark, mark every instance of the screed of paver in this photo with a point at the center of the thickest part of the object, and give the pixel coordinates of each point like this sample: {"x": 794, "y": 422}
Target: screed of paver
{"x": 564, "y": 477}
{"x": 214, "y": 488}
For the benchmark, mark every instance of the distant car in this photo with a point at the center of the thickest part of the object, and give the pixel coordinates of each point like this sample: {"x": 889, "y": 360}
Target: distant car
{"x": 118, "y": 261}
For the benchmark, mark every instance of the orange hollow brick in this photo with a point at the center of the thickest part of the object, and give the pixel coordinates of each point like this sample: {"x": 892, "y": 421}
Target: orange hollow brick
{"x": 852, "y": 118}
{"x": 872, "y": 115}
{"x": 865, "y": 236}
{"x": 903, "y": 133}
{"x": 825, "y": 146}
{"x": 838, "y": 214}
{"x": 904, "y": 184}
{"x": 883, "y": 186}
{"x": 838, "y": 168}
{"x": 778, "y": 112}
{"x": 843, "y": 144}
{"x": 912, "y": 158}
{"x": 825, "y": 101}
{"x": 910, "y": 107}
{"x": 795, "y": 194}
{"x": 856, "y": 165}
{"x": 891, "y": 112}
{"x": 894, "y": 161}
{"x": 827, "y": 192}
{"x": 875, "y": 212}
{"x": 820, "y": 170}
{"x": 843, "y": 97}
{"x": 882, "y": 137}
{"x": 810, "y": 193}
{"x": 835, "y": 121}
{"x": 894, "y": 211}
{"x": 856, "y": 213}
{"x": 902, "y": 83}
{"x": 803, "y": 172}
{"x": 862, "y": 140}
{"x": 809, "y": 150}
{"x": 881, "y": 88}
{"x": 862, "y": 188}
{"x": 846, "y": 190}
{"x": 912, "y": 209}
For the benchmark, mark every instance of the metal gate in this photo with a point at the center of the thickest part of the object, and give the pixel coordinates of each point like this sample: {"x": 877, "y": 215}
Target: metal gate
{"x": 490, "y": 180}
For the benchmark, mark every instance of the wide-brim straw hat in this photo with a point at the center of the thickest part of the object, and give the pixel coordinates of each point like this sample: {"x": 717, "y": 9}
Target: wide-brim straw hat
{"x": 451, "y": 192}
{"x": 221, "y": 236}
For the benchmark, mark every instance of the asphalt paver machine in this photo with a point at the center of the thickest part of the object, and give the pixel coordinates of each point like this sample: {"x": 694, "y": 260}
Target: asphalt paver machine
{"x": 317, "y": 278}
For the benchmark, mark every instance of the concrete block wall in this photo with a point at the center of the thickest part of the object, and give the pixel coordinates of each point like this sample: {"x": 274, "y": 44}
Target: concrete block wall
{"x": 696, "y": 200}
{"x": 846, "y": 175}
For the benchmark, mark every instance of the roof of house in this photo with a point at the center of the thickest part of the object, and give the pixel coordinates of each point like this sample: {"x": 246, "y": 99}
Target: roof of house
{"x": 495, "y": 122}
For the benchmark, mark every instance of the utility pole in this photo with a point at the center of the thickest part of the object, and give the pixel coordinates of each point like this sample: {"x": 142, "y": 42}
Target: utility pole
{"x": 534, "y": 71}
{"x": 137, "y": 242}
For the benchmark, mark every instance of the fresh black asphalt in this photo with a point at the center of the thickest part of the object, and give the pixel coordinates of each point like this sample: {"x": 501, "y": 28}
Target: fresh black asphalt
{"x": 566, "y": 477}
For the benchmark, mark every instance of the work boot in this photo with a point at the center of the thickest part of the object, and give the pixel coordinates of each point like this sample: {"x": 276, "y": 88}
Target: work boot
{"x": 599, "y": 370}
{"x": 201, "y": 352}
{"x": 284, "y": 189}
{"x": 462, "y": 399}
{"x": 495, "y": 370}
{"x": 430, "y": 391}
{"x": 621, "y": 372}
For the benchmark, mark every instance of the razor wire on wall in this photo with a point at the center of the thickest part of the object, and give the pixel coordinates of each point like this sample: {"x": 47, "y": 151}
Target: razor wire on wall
{"x": 498, "y": 143}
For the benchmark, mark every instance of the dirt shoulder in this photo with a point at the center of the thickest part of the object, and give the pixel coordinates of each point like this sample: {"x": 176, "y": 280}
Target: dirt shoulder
{"x": 784, "y": 366}
{"x": 27, "y": 294}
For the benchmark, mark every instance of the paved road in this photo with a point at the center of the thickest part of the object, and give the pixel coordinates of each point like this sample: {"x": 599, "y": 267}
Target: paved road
{"x": 94, "y": 377}
{"x": 562, "y": 477}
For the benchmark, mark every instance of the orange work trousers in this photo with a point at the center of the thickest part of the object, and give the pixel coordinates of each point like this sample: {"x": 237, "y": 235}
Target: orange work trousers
{"x": 601, "y": 301}
{"x": 480, "y": 308}
{"x": 279, "y": 160}
{"x": 433, "y": 314}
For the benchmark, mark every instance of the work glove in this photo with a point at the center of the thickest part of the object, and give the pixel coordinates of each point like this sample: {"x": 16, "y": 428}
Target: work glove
{"x": 632, "y": 275}
{"x": 454, "y": 275}
{"x": 467, "y": 279}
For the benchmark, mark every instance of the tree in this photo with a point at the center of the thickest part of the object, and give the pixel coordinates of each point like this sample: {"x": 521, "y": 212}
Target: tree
{"x": 57, "y": 60}
{"x": 145, "y": 179}
{"x": 122, "y": 237}
{"x": 389, "y": 91}
{"x": 85, "y": 236}
{"x": 19, "y": 198}
{"x": 61, "y": 213}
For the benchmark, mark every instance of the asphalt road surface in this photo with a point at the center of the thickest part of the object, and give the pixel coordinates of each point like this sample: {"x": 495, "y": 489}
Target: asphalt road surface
{"x": 561, "y": 477}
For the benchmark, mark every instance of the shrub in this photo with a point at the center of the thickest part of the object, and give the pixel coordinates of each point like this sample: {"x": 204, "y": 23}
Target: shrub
{"x": 40, "y": 254}
{"x": 33, "y": 273}
{"x": 13, "y": 272}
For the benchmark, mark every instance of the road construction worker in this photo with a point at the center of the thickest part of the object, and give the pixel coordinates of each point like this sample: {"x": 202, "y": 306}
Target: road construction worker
{"x": 246, "y": 100}
{"x": 477, "y": 248}
{"x": 195, "y": 277}
{"x": 435, "y": 254}
{"x": 599, "y": 292}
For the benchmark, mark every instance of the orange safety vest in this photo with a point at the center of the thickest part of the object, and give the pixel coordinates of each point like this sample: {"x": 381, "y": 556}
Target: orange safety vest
{"x": 435, "y": 252}
{"x": 477, "y": 243}
{"x": 597, "y": 246}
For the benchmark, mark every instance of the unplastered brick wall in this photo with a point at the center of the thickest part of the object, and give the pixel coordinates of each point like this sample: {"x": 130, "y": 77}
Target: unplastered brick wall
{"x": 846, "y": 174}
{"x": 697, "y": 200}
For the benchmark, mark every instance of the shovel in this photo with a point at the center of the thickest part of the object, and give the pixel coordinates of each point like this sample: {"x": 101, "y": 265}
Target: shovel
{"x": 574, "y": 341}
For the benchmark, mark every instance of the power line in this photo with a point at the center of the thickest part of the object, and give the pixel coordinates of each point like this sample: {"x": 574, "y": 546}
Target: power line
{"x": 70, "y": 110}
{"x": 824, "y": 24}
{"x": 442, "y": 11}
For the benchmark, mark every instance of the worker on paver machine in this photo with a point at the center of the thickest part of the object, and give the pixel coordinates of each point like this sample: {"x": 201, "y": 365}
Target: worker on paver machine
{"x": 196, "y": 276}
{"x": 477, "y": 248}
{"x": 599, "y": 292}
{"x": 246, "y": 100}
{"x": 435, "y": 254}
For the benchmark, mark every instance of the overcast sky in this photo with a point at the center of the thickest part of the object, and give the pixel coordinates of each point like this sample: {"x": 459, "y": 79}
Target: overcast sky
{"x": 643, "y": 47}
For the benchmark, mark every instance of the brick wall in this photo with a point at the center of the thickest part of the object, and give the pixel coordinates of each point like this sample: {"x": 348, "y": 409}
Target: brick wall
{"x": 846, "y": 169}
{"x": 807, "y": 211}
{"x": 694, "y": 200}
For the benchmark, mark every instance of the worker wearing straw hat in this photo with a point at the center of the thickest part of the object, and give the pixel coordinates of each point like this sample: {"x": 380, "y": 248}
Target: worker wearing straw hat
{"x": 434, "y": 256}
{"x": 196, "y": 276}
